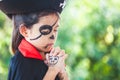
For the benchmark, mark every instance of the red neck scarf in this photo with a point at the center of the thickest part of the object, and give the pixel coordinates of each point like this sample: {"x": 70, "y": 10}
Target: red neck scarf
{"x": 29, "y": 50}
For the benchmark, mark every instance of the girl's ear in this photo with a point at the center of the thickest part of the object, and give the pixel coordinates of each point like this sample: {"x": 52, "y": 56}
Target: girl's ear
{"x": 23, "y": 30}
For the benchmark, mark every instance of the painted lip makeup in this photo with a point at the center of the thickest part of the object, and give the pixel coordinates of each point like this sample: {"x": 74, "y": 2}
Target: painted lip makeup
{"x": 49, "y": 45}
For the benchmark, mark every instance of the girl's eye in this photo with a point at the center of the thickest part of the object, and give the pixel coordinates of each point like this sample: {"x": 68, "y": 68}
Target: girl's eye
{"x": 56, "y": 30}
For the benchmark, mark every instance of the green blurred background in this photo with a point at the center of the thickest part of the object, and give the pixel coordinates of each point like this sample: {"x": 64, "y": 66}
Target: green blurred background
{"x": 89, "y": 33}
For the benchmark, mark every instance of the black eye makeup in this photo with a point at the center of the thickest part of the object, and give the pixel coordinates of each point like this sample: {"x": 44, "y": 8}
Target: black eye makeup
{"x": 45, "y": 30}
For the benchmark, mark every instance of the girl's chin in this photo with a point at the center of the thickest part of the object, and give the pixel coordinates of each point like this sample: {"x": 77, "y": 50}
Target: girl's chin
{"x": 46, "y": 49}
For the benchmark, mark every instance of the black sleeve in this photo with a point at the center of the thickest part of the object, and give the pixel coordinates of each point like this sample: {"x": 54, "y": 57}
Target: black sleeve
{"x": 27, "y": 69}
{"x": 20, "y": 71}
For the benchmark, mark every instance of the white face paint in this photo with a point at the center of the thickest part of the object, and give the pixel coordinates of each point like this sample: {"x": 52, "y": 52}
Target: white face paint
{"x": 44, "y": 42}
{"x": 45, "y": 30}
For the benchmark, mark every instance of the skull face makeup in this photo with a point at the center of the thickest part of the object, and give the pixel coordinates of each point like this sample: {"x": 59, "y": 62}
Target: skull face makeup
{"x": 45, "y": 30}
{"x": 53, "y": 60}
{"x": 43, "y": 34}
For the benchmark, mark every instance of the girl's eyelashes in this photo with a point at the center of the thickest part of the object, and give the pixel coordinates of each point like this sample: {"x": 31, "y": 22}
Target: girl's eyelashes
{"x": 56, "y": 30}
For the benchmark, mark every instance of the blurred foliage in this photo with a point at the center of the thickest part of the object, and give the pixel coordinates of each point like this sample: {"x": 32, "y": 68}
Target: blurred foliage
{"x": 89, "y": 33}
{"x": 5, "y": 34}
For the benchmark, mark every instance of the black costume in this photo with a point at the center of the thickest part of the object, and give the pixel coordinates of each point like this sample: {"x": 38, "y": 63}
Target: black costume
{"x": 27, "y": 65}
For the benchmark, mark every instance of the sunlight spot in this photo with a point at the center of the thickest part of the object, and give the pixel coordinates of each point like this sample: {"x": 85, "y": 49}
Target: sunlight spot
{"x": 1, "y": 70}
{"x": 109, "y": 38}
{"x": 110, "y": 29}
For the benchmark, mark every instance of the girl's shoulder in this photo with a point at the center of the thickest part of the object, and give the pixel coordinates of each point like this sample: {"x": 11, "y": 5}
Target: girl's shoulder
{"x": 21, "y": 66}
{"x": 19, "y": 59}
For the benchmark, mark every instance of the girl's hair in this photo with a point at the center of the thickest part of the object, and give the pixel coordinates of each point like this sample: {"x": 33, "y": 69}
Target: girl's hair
{"x": 28, "y": 20}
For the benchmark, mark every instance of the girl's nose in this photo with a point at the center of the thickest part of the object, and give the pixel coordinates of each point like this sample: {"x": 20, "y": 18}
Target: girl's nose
{"x": 52, "y": 37}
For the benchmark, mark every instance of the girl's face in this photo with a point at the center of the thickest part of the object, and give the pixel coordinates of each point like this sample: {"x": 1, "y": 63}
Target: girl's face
{"x": 43, "y": 34}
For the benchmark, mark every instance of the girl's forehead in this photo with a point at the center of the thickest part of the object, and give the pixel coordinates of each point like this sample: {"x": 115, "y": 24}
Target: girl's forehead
{"x": 47, "y": 20}
{"x": 50, "y": 19}
{"x": 50, "y": 16}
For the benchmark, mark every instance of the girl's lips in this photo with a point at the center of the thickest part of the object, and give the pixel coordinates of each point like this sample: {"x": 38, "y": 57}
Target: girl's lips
{"x": 50, "y": 44}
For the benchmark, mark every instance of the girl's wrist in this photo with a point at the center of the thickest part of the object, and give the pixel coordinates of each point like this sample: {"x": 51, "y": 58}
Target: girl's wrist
{"x": 51, "y": 73}
{"x": 54, "y": 69}
{"x": 63, "y": 75}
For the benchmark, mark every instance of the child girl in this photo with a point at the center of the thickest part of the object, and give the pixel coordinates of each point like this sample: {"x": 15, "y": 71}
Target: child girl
{"x": 34, "y": 34}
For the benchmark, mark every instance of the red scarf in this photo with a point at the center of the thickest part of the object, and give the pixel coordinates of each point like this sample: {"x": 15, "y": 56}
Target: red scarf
{"x": 29, "y": 50}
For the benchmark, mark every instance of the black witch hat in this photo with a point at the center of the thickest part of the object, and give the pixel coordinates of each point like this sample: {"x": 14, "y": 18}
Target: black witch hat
{"x": 10, "y": 7}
